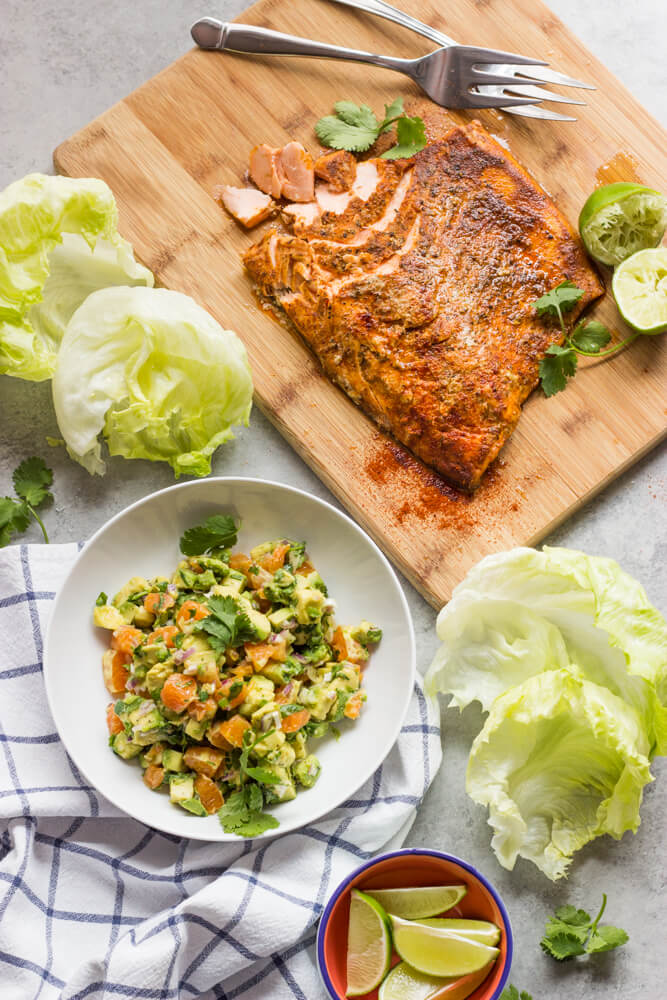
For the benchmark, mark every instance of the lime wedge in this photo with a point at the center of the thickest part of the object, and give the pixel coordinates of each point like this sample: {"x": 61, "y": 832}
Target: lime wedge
{"x": 422, "y": 901}
{"x": 439, "y": 953}
{"x": 368, "y": 945}
{"x": 406, "y": 983}
{"x": 476, "y": 930}
{"x": 640, "y": 289}
{"x": 617, "y": 220}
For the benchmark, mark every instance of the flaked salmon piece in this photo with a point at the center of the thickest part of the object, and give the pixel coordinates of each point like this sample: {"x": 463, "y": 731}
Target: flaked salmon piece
{"x": 338, "y": 169}
{"x": 247, "y": 205}
{"x": 304, "y": 214}
{"x": 266, "y": 169}
{"x": 428, "y": 322}
{"x": 296, "y": 165}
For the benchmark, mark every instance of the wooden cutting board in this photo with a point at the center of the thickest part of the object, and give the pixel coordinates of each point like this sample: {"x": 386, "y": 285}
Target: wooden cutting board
{"x": 164, "y": 148}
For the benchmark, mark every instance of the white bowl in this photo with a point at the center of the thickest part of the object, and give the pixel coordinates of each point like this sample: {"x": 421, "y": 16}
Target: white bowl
{"x": 143, "y": 541}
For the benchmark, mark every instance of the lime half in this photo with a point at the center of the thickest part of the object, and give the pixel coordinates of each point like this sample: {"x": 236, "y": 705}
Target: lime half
{"x": 406, "y": 983}
{"x": 422, "y": 901}
{"x": 439, "y": 953}
{"x": 640, "y": 289}
{"x": 476, "y": 930}
{"x": 617, "y": 220}
{"x": 368, "y": 945}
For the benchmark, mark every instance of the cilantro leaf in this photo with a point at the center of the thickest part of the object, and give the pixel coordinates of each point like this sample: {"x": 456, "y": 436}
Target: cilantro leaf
{"x": 359, "y": 115}
{"x": 411, "y": 138}
{"x": 217, "y": 532}
{"x": 571, "y": 915}
{"x": 263, "y": 776}
{"x": 227, "y": 625}
{"x": 338, "y": 134}
{"x": 14, "y": 518}
{"x": 559, "y": 364}
{"x": 590, "y": 337}
{"x": 391, "y": 113}
{"x": 240, "y": 814}
{"x": 562, "y": 945}
{"x": 32, "y": 479}
{"x": 560, "y": 299}
{"x": 606, "y": 938}
{"x": 512, "y": 993}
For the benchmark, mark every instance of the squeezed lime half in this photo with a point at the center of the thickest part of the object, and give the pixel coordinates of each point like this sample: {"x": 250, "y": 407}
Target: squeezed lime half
{"x": 640, "y": 289}
{"x": 620, "y": 219}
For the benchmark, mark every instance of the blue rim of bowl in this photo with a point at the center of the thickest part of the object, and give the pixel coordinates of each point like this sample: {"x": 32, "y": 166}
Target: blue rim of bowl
{"x": 406, "y": 852}
{"x": 189, "y": 484}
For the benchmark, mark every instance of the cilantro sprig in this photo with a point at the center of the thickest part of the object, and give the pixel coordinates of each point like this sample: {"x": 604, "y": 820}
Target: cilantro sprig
{"x": 512, "y": 993}
{"x": 32, "y": 479}
{"x": 219, "y": 531}
{"x": 587, "y": 339}
{"x": 227, "y": 626}
{"x": 571, "y": 932}
{"x": 242, "y": 813}
{"x": 355, "y": 127}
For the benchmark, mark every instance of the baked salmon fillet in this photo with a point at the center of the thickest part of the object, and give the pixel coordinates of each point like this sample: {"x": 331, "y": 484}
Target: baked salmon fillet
{"x": 414, "y": 289}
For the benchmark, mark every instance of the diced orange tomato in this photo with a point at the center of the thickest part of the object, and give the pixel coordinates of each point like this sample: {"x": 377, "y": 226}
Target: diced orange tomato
{"x": 203, "y": 760}
{"x": 271, "y": 561}
{"x": 153, "y": 776}
{"x": 201, "y": 710}
{"x": 224, "y": 688}
{"x": 296, "y": 721}
{"x": 114, "y": 722}
{"x": 353, "y": 706}
{"x": 115, "y": 672}
{"x": 178, "y": 692}
{"x": 347, "y": 648}
{"x": 155, "y": 603}
{"x": 191, "y": 611}
{"x": 233, "y": 729}
{"x": 167, "y": 633}
{"x": 240, "y": 561}
{"x": 209, "y": 793}
{"x": 126, "y": 639}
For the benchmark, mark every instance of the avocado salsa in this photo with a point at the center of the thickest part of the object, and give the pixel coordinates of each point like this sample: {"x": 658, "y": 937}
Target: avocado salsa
{"x": 223, "y": 673}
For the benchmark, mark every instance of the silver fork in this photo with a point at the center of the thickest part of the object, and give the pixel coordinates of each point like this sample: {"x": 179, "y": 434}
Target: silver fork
{"x": 447, "y": 75}
{"x": 519, "y": 86}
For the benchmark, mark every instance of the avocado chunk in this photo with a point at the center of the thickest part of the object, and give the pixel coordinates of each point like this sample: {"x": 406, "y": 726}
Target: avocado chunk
{"x": 136, "y": 585}
{"x": 181, "y": 787}
{"x": 280, "y": 673}
{"x": 284, "y": 790}
{"x": 259, "y": 690}
{"x": 124, "y": 747}
{"x": 196, "y": 730}
{"x": 280, "y": 616}
{"x": 156, "y": 677}
{"x": 318, "y": 699}
{"x": 309, "y": 603}
{"x": 172, "y": 760}
{"x": 366, "y": 633}
{"x": 307, "y": 771}
{"x": 106, "y": 616}
{"x": 260, "y": 623}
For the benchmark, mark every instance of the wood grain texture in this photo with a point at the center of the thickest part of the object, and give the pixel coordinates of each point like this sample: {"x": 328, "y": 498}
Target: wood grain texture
{"x": 164, "y": 148}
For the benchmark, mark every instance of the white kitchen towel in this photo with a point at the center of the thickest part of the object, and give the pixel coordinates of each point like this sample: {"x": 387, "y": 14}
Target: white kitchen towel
{"x": 95, "y": 905}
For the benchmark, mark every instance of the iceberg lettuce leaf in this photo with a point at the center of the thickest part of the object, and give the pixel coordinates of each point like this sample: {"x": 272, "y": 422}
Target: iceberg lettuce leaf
{"x": 58, "y": 242}
{"x": 558, "y": 762}
{"x": 155, "y": 374}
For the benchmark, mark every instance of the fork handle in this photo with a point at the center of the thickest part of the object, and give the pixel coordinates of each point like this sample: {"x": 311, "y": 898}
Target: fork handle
{"x": 248, "y": 38}
{"x": 399, "y": 17}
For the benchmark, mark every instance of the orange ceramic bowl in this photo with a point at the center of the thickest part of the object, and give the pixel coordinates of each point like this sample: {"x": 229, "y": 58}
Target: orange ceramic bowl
{"x": 401, "y": 869}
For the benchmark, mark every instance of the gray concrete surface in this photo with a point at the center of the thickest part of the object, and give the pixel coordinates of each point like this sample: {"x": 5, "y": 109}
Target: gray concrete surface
{"x": 61, "y": 66}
